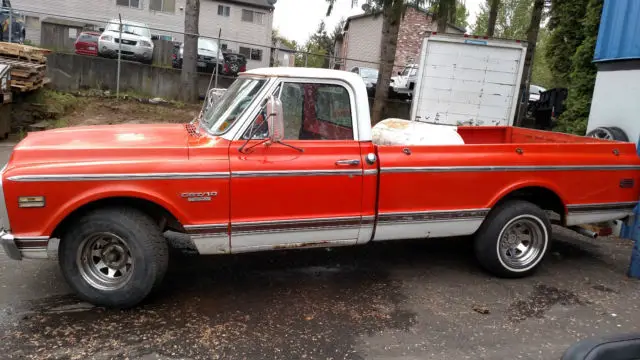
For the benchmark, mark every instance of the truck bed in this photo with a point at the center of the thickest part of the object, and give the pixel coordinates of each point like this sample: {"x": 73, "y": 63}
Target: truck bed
{"x": 514, "y": 135}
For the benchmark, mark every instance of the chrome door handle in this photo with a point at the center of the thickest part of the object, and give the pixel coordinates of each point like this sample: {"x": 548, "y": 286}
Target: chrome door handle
{"x": 348, "y": 162}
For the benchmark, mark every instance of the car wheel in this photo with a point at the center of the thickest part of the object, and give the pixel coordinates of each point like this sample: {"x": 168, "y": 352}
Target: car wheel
{"x": 513, "y": 239}
{"x": 609, "y": 133}
{"x": 113, "y": 257}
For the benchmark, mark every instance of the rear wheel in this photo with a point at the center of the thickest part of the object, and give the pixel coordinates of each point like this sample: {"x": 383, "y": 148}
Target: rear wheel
{"x": 513, "y": 239}
{"x": 113, "y": 257}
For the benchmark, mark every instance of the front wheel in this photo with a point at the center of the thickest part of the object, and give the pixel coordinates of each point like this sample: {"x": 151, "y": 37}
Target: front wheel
{"x": 513, "y": 239}
{"x": 113, "y": 257}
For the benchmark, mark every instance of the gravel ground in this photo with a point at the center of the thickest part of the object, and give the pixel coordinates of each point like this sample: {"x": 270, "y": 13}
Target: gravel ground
{"x": 397, "y": 300}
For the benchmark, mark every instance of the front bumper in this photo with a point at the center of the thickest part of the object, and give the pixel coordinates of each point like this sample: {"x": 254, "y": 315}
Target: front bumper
{"x": 38, "y": 247}
{"x": 110, "y": 49}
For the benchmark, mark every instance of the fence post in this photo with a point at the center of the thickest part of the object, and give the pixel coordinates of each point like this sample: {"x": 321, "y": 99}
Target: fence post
{"x": 217, "y": 59}
{"x": 119, "y": 56}
{"x": 10, "y": 23}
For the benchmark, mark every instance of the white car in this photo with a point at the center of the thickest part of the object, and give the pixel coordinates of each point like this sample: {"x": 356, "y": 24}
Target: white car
{"x": 137, "y": 43}
{"x": 405, "y": 81}
{"x": 534, "y": 92}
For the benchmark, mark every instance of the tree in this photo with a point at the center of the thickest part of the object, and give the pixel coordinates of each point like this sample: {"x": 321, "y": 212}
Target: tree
{"x": 512, "y": 21}
{"x": 541, "y": 73}
{"x": 493, "y": 15}
{"x": 565, "y": 24}
{"x": 583, "y": 74}
{"x": 459, "y": 17}
{"x": 189, "y": 75}
{"x": 392, "y": 12}
{"x": 532, "y": 39}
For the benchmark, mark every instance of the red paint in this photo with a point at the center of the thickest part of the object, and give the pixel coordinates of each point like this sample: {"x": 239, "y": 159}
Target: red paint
{"x": 87, "y": 43}
{"x": 135, "y": 149}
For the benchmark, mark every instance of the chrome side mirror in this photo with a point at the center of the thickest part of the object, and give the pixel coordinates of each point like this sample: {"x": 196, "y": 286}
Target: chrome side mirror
{"x": 275, "y": 119}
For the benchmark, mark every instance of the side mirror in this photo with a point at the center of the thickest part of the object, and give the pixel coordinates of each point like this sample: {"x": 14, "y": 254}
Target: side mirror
{"x": 155, "y": 37}
{"x": 399, "y": 72}
{"x": 275, "y": 120}
{"x": 101, "y": 29}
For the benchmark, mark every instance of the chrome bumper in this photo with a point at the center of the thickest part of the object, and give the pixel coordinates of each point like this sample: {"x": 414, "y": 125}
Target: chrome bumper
{"x": 39, "y": 247}
{"x": 9, "y": 246}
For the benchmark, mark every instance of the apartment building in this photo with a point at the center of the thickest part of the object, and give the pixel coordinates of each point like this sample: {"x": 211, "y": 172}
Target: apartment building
{"x": 246, "y": 24}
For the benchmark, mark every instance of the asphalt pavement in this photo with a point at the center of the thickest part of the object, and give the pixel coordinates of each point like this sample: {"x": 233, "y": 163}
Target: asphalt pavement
{"x": 397, "y": 300}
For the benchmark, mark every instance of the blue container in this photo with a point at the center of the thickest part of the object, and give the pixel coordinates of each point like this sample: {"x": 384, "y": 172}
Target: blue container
{"x": 619, "y": 33}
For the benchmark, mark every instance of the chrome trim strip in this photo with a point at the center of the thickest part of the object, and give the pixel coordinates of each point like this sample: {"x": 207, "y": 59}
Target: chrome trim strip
{"x": 282, "y": 173}
{"x": 371, "y": 172}
{"x": 119, "y": 177}
{"x": 432, "y": 216}
{"x": 410, "y": 169}
{"x": 578, "y": 208}
{"x": 246, "y": 228}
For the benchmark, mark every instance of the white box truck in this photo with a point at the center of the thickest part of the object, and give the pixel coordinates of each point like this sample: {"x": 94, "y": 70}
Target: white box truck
{"x": 468, "y": 80}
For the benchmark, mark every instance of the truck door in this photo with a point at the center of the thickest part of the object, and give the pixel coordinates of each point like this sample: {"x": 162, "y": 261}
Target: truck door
{"x": 308, "y": 191}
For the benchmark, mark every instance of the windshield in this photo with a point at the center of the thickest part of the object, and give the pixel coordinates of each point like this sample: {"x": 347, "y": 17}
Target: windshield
{"x": 207, "y": 44}
{"x": 409, "y": 70}
{"x": 369, "y": 73}
{"x": 231, "y": 105}
{"x": 130, "y": 29}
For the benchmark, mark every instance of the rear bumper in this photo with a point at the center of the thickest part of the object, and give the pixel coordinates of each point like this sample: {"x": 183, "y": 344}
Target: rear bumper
{"x": 38, "y": 247}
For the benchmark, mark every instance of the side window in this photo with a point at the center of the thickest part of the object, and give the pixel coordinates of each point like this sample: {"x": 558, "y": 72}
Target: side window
{"x": 311, "y": 112}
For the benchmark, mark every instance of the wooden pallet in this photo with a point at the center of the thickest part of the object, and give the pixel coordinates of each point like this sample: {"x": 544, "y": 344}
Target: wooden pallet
{"x": 25, "y": 52}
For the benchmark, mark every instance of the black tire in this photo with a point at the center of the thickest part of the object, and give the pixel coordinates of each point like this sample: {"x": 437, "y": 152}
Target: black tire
{"x": 609, "y": 133}
{"x": 148, "y": 250}
{"x": 507, "y": 217}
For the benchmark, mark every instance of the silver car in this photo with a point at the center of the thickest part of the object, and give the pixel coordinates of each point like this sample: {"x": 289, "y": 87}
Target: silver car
{"x": 137, "y": 43}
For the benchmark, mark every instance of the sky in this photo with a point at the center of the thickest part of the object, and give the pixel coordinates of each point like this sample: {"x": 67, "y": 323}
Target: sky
{"x": 297, "y": 19}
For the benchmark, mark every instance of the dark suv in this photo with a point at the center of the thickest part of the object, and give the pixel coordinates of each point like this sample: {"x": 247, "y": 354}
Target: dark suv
{"x": 8, "y": 15}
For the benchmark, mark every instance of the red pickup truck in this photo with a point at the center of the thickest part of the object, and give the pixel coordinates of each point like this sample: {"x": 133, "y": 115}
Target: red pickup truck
{"x": 285, "y": 159}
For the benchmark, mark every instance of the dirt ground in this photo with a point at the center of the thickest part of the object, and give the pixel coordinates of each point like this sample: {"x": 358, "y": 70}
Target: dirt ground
{"x": 99, "y": 111}
{"x": 47, "y": 109}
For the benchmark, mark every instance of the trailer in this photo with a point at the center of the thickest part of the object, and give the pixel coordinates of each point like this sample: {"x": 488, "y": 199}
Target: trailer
{"x": 468, "y": 80}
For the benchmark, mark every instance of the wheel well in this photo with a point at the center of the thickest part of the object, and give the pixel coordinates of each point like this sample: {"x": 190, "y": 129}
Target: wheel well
{"x": 164, "y": 218}
{"x": 544, "y": 198}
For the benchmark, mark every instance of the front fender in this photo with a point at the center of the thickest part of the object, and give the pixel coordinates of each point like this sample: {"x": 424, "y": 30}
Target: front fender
{"x": 106, "y": 192}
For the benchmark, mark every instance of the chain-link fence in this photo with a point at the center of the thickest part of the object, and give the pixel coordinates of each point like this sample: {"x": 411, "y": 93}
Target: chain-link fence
{"x": 116, "y": 50}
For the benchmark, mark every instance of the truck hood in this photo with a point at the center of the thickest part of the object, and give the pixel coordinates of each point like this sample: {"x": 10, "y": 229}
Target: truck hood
{"x": 101, "y": 143}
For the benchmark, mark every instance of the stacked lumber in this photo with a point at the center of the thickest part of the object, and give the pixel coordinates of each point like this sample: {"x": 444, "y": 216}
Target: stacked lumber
{"x": 28, "y": 65}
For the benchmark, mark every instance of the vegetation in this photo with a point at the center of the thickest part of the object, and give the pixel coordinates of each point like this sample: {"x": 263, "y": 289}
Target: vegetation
{"x": 582, "y": 77}
{"x": 512, "y": 19}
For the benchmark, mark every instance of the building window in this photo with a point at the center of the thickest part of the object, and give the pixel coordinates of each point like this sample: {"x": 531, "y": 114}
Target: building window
{"x": 162, "y": 5}
{"x": 129, "y": 3}
{"x": 224, "y": 10}
{"x": 249, "y": 53}
{"x": 253, "y": 17}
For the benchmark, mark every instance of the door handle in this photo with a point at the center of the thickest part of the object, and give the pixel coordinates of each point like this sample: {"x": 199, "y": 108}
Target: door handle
{"x": 353, "y": 162}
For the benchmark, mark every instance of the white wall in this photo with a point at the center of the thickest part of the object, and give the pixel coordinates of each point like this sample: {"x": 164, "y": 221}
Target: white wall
{"x": 616, "y": 102}
{"x": 363, "y": 42}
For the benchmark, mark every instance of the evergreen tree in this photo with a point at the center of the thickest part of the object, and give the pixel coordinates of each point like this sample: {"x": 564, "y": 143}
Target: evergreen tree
{"x": 582, "y": 77}
{"x": 567, "y": 33}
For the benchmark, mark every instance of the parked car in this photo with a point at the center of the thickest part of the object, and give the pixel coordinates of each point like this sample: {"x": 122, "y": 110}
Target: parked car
{"x": 370, "y": 77}
{"x": 87, "y": 43}
{"x": 234, "y": 64}
{"x": 208, "y": 56}
{"x": 534, "y": 92}
{"x": 137, "y": 42}
{"x": 404, "y": 83}
{"x": 287, "y": 159}
{"x": 7, "y": 16}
